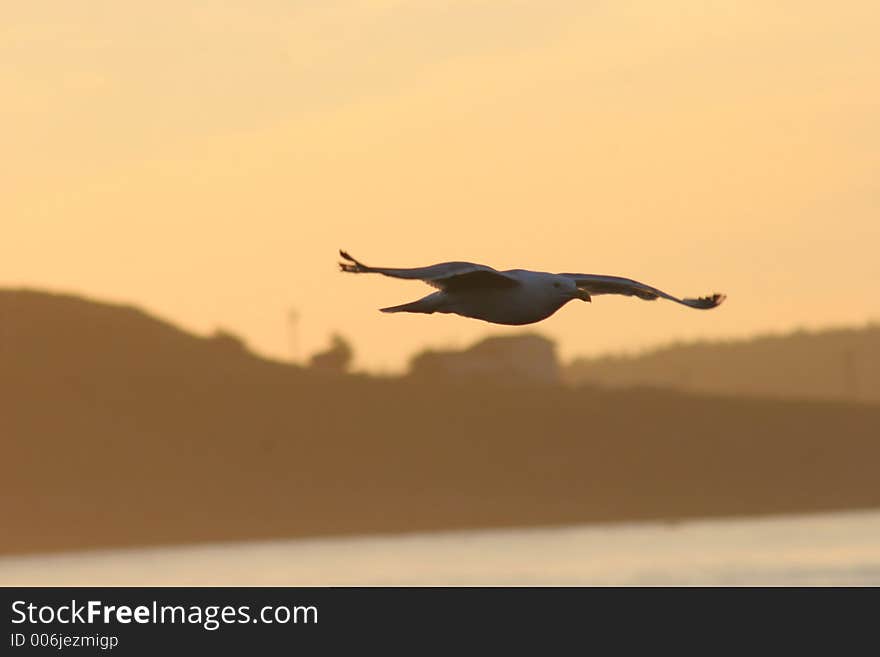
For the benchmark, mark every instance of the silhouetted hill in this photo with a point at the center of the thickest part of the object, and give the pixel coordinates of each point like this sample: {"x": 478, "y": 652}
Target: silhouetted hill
{"x": 118, "y": 429}
{"x": 55, "y": 335}
{"x": 841, "y": 364}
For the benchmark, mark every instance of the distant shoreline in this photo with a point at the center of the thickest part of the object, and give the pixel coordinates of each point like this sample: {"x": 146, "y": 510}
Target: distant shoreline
{"x": 123, "y": 431}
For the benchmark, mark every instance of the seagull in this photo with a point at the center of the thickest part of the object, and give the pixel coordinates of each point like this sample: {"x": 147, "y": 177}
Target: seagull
{"x": 513, "y": 297}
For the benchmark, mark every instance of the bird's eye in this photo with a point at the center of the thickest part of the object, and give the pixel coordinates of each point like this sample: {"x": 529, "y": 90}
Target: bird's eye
{"x": 556, "y": 285}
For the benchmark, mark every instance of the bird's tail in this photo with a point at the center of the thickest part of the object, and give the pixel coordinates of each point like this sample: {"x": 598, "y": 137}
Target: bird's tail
{"x": 429, "y": 304}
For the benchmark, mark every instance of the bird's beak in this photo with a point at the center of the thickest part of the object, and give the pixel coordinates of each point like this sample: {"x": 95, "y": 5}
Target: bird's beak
{"x": 583, "y": 295}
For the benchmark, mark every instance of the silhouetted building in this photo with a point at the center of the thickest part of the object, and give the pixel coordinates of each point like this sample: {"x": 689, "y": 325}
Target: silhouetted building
{"x": 512, "y": 359}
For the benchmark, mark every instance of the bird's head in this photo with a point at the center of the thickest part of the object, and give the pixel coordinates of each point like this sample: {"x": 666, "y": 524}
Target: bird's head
{"x": 568, "y": 289}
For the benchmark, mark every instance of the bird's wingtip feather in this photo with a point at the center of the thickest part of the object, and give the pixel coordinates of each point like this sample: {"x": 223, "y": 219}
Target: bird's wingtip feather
{"x": 706, "y": 303}
{"x": 352, "y": 266}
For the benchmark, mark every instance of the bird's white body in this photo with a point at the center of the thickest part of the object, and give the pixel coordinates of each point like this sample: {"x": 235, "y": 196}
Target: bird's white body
{"x": 537, "y": 296}
{"x": 515, "y": 296}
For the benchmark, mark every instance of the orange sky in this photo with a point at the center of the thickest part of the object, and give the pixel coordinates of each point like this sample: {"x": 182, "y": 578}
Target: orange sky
{"x": 206, "y": 160}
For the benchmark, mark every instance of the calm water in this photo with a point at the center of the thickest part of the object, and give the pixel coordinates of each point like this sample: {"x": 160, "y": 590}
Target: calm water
{"x": 825, "y": 549}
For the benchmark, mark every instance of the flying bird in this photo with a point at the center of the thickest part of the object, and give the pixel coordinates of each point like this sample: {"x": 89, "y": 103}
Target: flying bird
{"x": 514, "y": 296}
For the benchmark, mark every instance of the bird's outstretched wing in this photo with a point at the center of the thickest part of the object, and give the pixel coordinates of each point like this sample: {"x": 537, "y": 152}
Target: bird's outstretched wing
{"x": 599, "y": 284}
{"x": 449, "y": 276}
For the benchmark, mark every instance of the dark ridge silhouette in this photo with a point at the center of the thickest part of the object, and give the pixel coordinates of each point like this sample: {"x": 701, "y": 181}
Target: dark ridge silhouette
{"x": 838, "y": 364}
{"x": 120, "y": 430}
